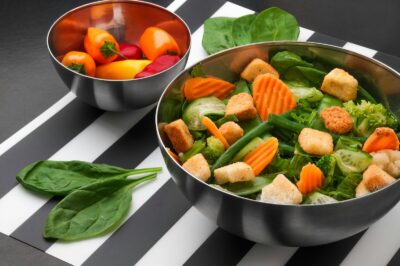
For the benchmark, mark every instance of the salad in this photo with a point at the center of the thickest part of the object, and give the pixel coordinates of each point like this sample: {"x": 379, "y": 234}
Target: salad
{"x": 289, "y": 131}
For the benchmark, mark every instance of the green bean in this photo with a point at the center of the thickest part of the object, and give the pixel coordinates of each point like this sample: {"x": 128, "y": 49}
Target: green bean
{"x": 285, "y": 149}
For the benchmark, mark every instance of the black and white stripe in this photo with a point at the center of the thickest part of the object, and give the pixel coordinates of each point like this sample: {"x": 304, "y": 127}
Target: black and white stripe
{"x": 161, "y": 228}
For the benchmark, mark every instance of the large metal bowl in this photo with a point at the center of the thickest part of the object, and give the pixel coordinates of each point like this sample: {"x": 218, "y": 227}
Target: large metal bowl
{"x": 126, "y": 20}
{"x": 291, "y": 225}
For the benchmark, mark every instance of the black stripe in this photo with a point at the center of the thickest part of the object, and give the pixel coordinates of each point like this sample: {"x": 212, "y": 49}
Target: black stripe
{"x": 322, "y": 38}
{"x": 45, "y": 141}
{"x": 163, "y": 3}
{"x": 128, "y": 151}
{"x": 395, "y": 261}
{"x": 221, "y": 248}
{"x": 389, "y": 60}
{"x": 330, "y": 254}
{"x": 141, "y": 231}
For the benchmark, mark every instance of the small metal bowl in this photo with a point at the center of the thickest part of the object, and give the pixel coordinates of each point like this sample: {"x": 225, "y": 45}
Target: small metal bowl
{"x": 126, "y": 20}
{"x": 290, "y": 225}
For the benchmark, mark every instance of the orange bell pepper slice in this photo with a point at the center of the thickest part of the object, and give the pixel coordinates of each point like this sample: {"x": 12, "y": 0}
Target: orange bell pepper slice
{"x": 156, "y": 42}
{"x": 80, "y": 62}
{"x": 101, "y": 45}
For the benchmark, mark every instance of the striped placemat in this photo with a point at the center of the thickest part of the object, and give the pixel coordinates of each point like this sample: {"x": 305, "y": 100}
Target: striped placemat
{"x": 162, "y": 228}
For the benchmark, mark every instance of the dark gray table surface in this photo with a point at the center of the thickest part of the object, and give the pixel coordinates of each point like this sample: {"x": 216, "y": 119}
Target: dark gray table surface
{"x": 29, "y": 84}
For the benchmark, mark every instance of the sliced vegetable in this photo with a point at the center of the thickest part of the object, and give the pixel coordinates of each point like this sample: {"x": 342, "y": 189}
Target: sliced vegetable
{"x": 272, "y": 96}
{"x": 253, "y": 144}
{"x": 156, "y": 42}
{"x": 217, "y": 34}
{"x": 311, "y": 178}
{"x": 207, "y": 106}
{"x": 350, "y": 161}
{"x": 92, "y": 210}
{"x": 251, "y": 187}
{"x": 119, "y": 70}
{"x": 80, "y": 62}
{"x": 101, "y": 45}
{"x": 241, "y": 29}
{"x": 63, "y": 177}
{"x": 308, "y": 94}
{"x": 260, "y": 157}
{"x": 317, "y": 198}
{"x": 195, "y": 88}
{"x": 349, "y": 143}
{"x": 213, "y": 129}
{"x": 161, "y": 63}
{"x": 198, "y": 147}
{"x": 382, "y": 138}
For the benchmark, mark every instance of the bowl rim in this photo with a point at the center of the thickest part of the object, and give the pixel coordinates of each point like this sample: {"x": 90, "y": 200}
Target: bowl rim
{"x": 273, "y": 43}
{"x": 112, "y": 2}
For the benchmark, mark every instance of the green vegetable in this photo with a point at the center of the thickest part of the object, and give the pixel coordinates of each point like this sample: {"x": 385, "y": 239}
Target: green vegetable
{"x": 278, "y": 164}
{"x": 228, "y": 155}
{"x": 171, "y": 107}
{"x": 350, "y": 161}
{"x": 283, "y": 123}
{"x": 225, "y": 119}
{"x": 254, "y": 143}
{"x": 327, "y": 164}
{"x": 241, "y": 87}
{"x": 368, "y": 116}
{"x": 314, "y": 75}
{"x": 299, "y": 159}
{"x": 250, "y": 187}
{"x": 241, "y": 29}
{"x": 326, "y": 101}
{"x": 249, "y": 125}
{"x": 197, "y": 147}
{"x": 274, "y": 24}
{"x": 218, "y": 34}
{"x": 285, "y": 149}
{"x": 214, "y": 149}
{"x": 363, "y": 94}
{"x": 346, "y": 188}
{"x": 92, "y": 210}
{"x": 63, "y": 177}
{"x": 348, "y": 143}
{"x": 308, "y": 94}
{"x": 284, "y": 60}
{"x": 318, "y": 198}
{"x": 206, "y": 106}
{"x": 197, "y": 71}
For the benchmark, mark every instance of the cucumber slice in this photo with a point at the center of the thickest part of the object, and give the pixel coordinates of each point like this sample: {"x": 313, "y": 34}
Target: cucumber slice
{"x": 350, "y": 161}
{"x": 318, "y": 198}
{"x": 207, "y": 106}
{"x": 254, "y": 143}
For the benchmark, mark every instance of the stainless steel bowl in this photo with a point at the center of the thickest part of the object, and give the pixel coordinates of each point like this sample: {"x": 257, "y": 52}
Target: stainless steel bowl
{"x": 291, "y": 225}
{"x": 126, "y": 20}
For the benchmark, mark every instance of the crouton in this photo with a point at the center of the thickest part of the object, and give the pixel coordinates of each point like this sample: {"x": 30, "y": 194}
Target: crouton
{"x": 315, "y": 142}
{"x": 281, "y": 191}
{"x": 231, "y": 131}
{"x": 257, "y": 67}
{"x": 242, "y": 106}
{"x": 340, "y": 84}
{"x": 374, "y": 178}
{"x": 232, "y": 173}
{"x": 388, "y": 161}
{"x": 179, "y": 135}
{"x": 337, "y": 119}
{"x": 197, "y": 165}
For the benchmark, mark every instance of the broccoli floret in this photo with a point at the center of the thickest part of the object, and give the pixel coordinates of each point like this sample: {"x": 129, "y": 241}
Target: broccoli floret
{"x": 214, "y": 149}
{"x": 368, "y": 116}
{"x": 197, "y": 147}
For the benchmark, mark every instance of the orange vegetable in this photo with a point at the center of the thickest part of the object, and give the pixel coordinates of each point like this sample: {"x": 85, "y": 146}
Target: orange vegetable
{"x": 173, "y": 155}
{"x": 382, "y": 138}
{"x": 101, "y": 45}
{"x": 272, "y": 96}
{"x": 201, "y": 87}
{"x": 311, "y": 178}
{"x": 156, "y": 42}
{"x": 126, "y": 69}
{"x": 260, "y": 157}
{"x": 213, "y": 129}
{"x": 80, "y": 62}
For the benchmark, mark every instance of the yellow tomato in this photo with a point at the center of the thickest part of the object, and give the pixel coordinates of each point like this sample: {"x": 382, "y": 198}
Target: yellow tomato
{"x": 125, "y": 69}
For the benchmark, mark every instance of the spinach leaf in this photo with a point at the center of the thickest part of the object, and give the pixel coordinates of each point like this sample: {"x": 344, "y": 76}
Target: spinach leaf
{"x": 284, "y": 60}
{"x": 241, "y": 29}
{"x": 251, "y": 187}
{"x": 241, "y": 87}
{"x": 92, "y": 210}
{"x": 218, "y": 34}
{"x": 62, "y": 177}
{"x": 274, "y": 24}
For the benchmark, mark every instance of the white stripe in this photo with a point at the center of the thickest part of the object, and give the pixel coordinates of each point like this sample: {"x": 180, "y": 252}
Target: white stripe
{"x": 305, "y": 34}
{"x": 18, "y": 204}
{"x": 35, "y": 123}
{"x": 360, "y": 49}
{"x": 379, "y": 244}
{"x": 185, "y": 236}
{"x": 77, "y": 252}
{"x": 267, "y": 255}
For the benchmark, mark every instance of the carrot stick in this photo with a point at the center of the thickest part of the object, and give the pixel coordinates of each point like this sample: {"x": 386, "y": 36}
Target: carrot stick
{"x": 311, "y": 178}
{"x": 210, "y": 86}
{"x": 272, "y": 96}
{"x": 173, "y": 155}
{"x": 382, "y": 138}
{"x": 213, "y": 129}
{"x": 263, "y": 155}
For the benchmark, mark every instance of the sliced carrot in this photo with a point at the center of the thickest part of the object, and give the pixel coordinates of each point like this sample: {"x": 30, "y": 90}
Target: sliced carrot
{"x": 260, "y": 157}
{"x": 173, "y": 155}
{"x": 272, "y": 96}
{"x": 213, "y": 129}
{"x": 210, "y": 86}
{"x": 311, "y": 178}
{"x": 382, "y": 138}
